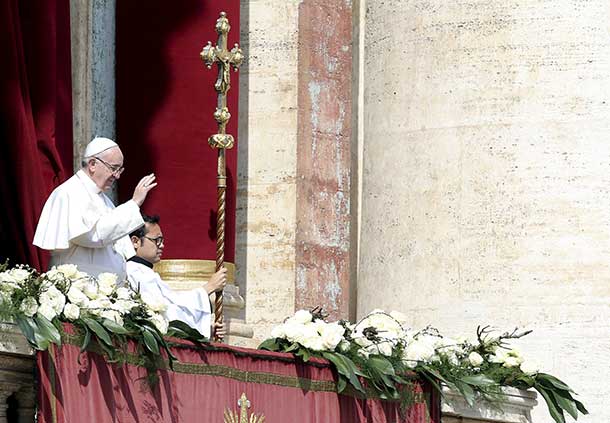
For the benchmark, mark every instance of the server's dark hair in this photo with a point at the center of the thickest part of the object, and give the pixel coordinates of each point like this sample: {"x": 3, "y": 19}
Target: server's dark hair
{"x": 141, "y": 231}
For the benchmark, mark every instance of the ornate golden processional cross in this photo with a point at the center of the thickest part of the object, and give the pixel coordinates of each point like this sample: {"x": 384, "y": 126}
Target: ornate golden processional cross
{"x": 222, "y": 141}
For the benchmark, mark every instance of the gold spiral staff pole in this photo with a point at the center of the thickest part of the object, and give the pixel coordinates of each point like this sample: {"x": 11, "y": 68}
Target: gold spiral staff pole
{"x": 221, "y": 141}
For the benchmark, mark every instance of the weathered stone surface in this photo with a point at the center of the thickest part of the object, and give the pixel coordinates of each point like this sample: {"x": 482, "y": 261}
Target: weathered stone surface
{"x": 323, "y": 157}
{"x": 485, "y": 180}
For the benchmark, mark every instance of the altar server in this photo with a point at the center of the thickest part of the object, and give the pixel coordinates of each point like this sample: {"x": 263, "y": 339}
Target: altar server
{"x": 192, "y": 306}
{"x": 80, "y": 225}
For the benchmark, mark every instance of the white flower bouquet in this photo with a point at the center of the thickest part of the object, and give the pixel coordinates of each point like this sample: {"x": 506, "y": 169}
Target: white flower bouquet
{"x": 383, "y": 352}
{"x": 101, "y": 309}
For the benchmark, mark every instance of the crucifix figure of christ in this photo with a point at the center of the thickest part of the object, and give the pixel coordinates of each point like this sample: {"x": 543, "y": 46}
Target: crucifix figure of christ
{"x": 221, "y": 141}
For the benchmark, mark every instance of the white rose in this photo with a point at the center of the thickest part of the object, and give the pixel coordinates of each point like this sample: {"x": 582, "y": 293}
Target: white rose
{"x": 96, "y": 307}
{"x": 154, "y": 304}
{"x": 112, "y": 315}
{"x": 107, "y": 283}
{"x": 54, "y": 298}
{"x": 123, "y": 306}
{"x": 530, "y": 367}
{"x": 302, "y": 317}
{"x": 7, "y": 283}
{"x": 331, "y": 334}
{"x": 499, "y": 356}
{"x": 123, "y": 293}
{"x": 76, "y": 296}
{"x": 418, "y": 350}
{"x": 20, "y": 275}
{"x": 307, "y": 335}
{"x": 160, "y": 322}
{"x": 475, "y": 359}
{"x": 29, "y": 306}
{"x": 47, "y": 311}
{"x": 278, "y": 332}
{"x": 383, "y": 348}
{"x": 69, "y": 270}
{"x": 344, "y": 346}
{"x": 90, "y": 289}
{"x": 511, "y": 362}
{"x": 293, "y": 331}
{"x": 71, "y": 311}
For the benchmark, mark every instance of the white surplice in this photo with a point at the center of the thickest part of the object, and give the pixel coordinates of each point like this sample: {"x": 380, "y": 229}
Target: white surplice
{"x": 81, "y": 226}
{"x": 192, "y": 306}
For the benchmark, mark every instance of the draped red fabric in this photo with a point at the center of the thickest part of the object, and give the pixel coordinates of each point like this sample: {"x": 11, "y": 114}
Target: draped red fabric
{"x": 165, "y": 101}
{"x": 78, "y": 387}
{"x": 36, "y": 119}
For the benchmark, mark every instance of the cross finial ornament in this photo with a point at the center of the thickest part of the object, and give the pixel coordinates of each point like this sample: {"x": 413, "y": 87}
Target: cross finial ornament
{"x": 225, "y": 59}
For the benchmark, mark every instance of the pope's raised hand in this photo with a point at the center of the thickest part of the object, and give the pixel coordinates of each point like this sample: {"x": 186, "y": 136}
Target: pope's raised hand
{"x": 144, "y": 186}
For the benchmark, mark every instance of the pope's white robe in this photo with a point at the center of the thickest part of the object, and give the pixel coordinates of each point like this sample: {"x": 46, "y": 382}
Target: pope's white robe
{"x": 192, "y": 306}
{"x": 81, "y": 226}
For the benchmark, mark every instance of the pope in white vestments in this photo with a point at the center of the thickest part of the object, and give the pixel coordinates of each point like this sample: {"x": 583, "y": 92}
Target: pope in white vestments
{"x": 80, "y": 225}
{"x": 192, "y": 306}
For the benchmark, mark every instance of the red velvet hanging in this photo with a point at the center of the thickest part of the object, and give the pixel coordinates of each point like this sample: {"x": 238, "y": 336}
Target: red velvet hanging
{"x": 36, "y": 119}
{"x": 78, "y": 387}
{"x": 165, "y": 104}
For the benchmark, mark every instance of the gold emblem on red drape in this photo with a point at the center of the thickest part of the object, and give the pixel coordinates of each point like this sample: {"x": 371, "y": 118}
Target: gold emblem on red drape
{"x": 243, "y": 403}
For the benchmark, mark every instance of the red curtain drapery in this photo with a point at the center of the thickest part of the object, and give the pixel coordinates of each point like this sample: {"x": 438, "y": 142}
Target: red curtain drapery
{"x": 36, "y": 119}
{"x": 165, "y": 101}
{"x": 83, "y": 387}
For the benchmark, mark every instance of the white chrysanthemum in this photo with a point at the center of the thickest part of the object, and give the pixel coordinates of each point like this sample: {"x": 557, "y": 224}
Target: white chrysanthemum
{"x": 153, "y": 303}
{"x": 475, "y": 359}
{"x": 76, "y": 296}
{"x": 160, "y": 322}
{"x": 69, "y": 270}
{"x": 29, "y": 306}
{"x": 71, "y": 311}
{"x": 107, "y": 283}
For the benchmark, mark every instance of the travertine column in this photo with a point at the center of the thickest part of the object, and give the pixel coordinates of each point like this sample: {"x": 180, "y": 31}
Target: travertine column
{"x": 486, "y": 172}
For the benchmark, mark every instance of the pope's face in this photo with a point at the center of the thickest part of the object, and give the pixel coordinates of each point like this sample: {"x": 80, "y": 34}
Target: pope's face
{"x": 151, "y": 246}
{"x": 107, "y": 168}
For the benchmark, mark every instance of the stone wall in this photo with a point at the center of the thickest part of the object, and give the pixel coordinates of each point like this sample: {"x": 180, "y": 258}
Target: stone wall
{"x": 485, "y": 184}
{"x": 293, "y": 160}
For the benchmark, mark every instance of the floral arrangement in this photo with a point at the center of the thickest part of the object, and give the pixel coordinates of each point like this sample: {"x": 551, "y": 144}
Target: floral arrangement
{"x": 98, "y": 307}
{"x": 380, "y": 351}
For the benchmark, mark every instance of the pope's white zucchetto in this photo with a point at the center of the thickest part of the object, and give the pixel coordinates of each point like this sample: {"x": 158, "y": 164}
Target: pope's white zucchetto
{"x": 99, "y": 145}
